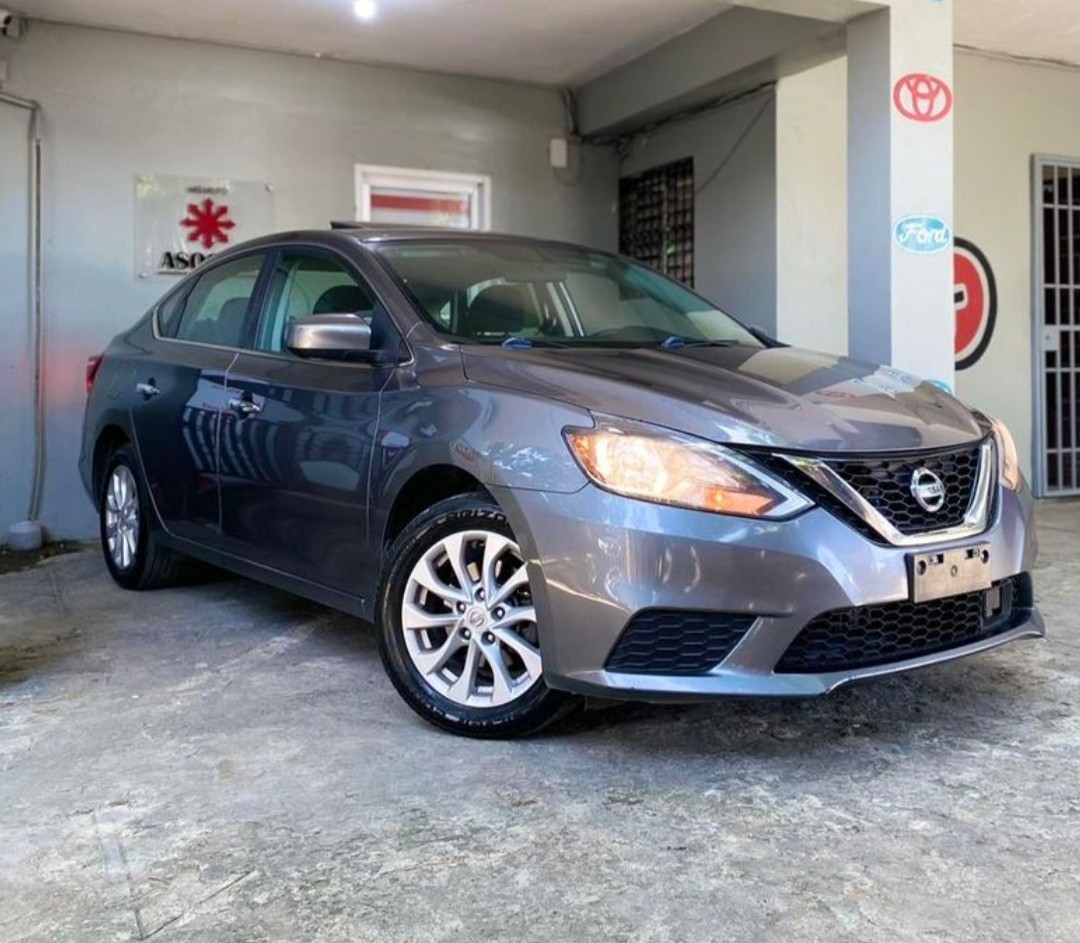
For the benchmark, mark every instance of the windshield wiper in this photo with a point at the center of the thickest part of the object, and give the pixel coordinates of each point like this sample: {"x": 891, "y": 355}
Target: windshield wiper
{"x": 678, "y": 343}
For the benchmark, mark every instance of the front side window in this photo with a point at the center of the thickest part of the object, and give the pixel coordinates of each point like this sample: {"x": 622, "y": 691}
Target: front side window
{"x": 493, "y": 292}
{"x": 306, "y": 283}
{"x": 215, "y": 310}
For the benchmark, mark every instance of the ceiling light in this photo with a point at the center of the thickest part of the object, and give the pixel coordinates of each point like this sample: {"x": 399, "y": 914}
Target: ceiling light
{"x": 365, "y": 9}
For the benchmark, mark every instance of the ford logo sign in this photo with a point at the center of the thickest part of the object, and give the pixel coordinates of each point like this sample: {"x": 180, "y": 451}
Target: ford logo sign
{"x": 923, "y": 234}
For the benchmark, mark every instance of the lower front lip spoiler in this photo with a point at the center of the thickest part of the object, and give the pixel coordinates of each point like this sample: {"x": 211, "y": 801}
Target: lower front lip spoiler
{"x": 722, "y": 682}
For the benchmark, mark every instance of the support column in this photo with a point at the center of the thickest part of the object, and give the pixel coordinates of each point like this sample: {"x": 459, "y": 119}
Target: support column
{"x": 900, "y": 188}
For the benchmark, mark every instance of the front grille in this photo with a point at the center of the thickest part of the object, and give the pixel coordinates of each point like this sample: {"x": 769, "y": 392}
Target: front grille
{"x": 848, "y": 639}
{"x": 677, "y": 642}
{"x": 885, "y": 483}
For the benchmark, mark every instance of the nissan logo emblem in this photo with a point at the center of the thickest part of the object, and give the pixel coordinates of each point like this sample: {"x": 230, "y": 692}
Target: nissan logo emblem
{"x": 928, "y": 489}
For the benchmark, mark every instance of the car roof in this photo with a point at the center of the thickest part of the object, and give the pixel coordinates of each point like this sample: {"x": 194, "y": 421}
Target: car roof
{"x": 377, "y": 233}
{"x": 403, "y": 232}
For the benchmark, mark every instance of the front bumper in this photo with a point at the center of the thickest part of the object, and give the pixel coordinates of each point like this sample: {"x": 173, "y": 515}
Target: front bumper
{"x": 598, "y": 560}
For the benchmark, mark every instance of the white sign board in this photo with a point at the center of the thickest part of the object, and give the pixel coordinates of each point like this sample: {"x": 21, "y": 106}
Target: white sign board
{"x": 180, "y": 222}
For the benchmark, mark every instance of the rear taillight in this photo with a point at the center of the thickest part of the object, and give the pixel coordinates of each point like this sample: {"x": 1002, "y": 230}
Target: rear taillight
{"x": 93, "y": 364}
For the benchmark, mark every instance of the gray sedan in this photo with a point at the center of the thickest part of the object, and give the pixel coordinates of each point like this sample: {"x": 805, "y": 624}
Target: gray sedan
{"x": 545, "y": 471}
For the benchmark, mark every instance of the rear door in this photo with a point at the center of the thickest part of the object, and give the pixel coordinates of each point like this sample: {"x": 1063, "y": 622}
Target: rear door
{"x": 179, "y": 388}
{"x": 298, "y": 434}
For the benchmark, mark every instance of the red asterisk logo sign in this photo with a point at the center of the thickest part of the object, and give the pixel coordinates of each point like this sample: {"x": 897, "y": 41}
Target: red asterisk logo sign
{"x": 207, "y": 223}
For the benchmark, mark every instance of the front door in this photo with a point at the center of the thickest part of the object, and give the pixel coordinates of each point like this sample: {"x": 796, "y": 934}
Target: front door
{"x": 178, "y": 387}
{"x": 297, "y": 434}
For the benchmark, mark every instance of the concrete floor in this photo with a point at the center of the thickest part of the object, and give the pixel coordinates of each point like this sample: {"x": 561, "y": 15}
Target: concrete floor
{"x": 226, "y": 763}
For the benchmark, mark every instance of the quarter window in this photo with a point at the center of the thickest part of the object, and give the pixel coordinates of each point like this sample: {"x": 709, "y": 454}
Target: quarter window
{"x": 307, "y": 283}
{"x": 215, "y": 310}
{"x": 170, "y": 311}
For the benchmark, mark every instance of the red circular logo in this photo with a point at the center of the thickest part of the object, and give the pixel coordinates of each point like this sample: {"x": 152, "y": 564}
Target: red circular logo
{"x": 922, "y": 97}
{"x": 976, "y": 303}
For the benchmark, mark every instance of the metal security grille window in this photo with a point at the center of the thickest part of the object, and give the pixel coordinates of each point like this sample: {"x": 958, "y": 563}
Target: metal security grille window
{"x": 1057, "y": 302}
{"x": 656, "y": 218}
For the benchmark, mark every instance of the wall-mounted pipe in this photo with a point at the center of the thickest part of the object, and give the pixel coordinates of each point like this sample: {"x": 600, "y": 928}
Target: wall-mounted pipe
{"x": 36, "y": 294}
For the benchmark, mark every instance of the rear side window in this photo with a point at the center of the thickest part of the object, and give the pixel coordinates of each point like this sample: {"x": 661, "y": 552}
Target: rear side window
{"x": 169, "y": 312}
{"x": 307, "y": 282}
{"x": 215, "y": 310}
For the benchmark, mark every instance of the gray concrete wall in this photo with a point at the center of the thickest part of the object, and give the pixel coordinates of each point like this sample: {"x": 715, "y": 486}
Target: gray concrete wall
{"x": 117, "y": 105}
{"x": 15, "y": 353}
{"x": 735, "y": 231}
{"x": 735, "y": 50}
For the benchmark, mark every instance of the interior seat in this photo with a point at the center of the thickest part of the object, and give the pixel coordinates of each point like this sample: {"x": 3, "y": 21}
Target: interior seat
{"x": 343, "y": 299}
{"x": 499, "y": 311}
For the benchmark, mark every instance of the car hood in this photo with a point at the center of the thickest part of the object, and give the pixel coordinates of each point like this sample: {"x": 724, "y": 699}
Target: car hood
{"x": 779, "y": 397}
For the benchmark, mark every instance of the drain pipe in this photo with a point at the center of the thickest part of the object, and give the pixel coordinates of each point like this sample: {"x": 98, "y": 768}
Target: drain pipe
{"x": 27, "y": 535}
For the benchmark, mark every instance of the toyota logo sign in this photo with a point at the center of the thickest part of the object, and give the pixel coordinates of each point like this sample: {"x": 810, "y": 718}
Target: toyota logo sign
{"x": 922, "y": 97}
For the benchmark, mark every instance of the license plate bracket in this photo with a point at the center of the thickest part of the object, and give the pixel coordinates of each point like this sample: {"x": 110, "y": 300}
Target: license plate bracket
{"x": 942, "y": 573}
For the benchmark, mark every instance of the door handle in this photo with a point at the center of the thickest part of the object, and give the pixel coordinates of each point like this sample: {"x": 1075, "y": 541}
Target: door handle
{"x": 245, "y": 407}
{"x": 147, "y": 390}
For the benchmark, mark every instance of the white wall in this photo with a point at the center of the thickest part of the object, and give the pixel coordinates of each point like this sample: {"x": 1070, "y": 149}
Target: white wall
{"x": 735, "y": 212}
{"x": 811, "y": 187}
{"x": 117, "y": 105}
{"x": 1005, "y": 112}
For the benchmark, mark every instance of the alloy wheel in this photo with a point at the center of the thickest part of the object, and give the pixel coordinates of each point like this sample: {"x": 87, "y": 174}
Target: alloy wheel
{"x": 122, "y": 517}
{"x": 469, "y": 621}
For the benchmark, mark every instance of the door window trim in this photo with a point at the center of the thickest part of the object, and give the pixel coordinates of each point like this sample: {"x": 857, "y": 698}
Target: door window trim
{"x": 350, "y": 265}
{"x": 255, "y": 302}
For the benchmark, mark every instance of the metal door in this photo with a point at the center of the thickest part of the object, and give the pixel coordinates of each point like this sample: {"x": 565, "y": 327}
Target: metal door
{"x": 656, "y": 218}
{"x": 1056, "y": 335}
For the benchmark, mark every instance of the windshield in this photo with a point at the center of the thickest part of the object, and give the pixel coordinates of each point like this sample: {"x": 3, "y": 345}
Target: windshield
{"x": 523, "y": 294}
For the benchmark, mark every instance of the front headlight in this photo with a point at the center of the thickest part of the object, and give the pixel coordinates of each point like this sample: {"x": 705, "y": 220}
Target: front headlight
{"x": 641, "y": 461}
{"x": 1011, "y": 476}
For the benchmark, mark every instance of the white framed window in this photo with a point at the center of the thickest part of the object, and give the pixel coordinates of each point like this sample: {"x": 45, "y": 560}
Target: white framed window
{"x": 422, "y": 197}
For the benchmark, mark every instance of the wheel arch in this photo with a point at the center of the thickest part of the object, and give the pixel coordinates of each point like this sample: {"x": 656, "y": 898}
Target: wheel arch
{"x": 425, "y": 488}
{"x": 111, "y": 437}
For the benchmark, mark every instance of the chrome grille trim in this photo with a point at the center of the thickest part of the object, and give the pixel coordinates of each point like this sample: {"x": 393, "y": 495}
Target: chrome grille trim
{"x": 976, "y": 521}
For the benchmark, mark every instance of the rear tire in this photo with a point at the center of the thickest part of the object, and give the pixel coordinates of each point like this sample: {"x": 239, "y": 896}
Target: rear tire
{"x": 132, "y": 553}
{"x": 457, "y": 626}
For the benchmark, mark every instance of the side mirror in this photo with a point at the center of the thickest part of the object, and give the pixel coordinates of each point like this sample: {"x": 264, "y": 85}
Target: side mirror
{"x": 333, "y": 336}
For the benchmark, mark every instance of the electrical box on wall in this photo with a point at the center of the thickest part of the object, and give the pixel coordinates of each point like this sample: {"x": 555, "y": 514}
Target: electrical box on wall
{"x": 11, "y": 24}
{"x": 559, "y": 152}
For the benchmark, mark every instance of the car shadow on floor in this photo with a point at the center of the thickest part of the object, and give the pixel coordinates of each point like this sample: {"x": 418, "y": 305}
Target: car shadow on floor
{"x": 979, "y": 700}
{"x": 273, "y": 611}
{"x": 965, "y": 699}
{"x": 954, "y": 700}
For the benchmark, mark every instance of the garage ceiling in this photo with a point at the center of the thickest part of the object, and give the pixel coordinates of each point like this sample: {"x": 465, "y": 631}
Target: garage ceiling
{"x": 554, "y": 42}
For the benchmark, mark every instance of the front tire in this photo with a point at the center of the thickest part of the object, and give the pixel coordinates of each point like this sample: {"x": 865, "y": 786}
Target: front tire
{"x": 132, "y": 553}
{"x": 457, "y": 626}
